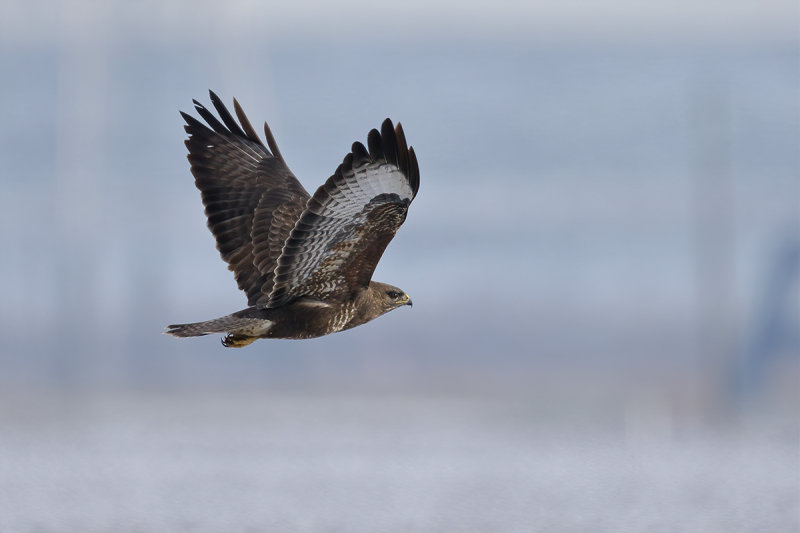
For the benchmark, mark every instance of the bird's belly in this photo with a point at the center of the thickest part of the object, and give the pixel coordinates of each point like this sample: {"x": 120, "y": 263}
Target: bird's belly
{"x": 304, "y": 322}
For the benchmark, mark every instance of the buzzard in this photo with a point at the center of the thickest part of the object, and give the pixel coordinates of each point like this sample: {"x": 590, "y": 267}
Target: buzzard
{"x": 305, "y": 262}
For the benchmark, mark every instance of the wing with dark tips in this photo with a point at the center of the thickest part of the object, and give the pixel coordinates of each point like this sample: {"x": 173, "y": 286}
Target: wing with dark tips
{"x": 336, "y": 244}
{"x": 252, "y": 199}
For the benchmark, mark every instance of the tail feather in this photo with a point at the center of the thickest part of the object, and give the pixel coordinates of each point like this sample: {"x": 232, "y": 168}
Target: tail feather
{"x": 223, "y": 324}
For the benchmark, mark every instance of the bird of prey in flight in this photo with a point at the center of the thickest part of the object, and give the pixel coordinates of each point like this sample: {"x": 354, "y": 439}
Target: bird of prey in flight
{"x": 305, "y": 262}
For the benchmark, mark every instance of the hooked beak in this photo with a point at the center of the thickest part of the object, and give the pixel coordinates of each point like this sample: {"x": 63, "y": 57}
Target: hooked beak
{"x": 406, "y": 301}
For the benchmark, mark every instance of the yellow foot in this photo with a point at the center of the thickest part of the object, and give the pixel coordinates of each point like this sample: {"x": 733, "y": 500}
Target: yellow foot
{"x": 232, "y": 340}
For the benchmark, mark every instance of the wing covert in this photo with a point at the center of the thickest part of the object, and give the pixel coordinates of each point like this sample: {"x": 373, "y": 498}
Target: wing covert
{"x": 336, "y": 244}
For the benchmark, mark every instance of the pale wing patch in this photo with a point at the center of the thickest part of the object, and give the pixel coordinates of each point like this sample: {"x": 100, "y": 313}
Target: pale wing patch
{"x": 340, "y": 227}
{"x": 366, "y": 183}
{"x": 338, "y": 240}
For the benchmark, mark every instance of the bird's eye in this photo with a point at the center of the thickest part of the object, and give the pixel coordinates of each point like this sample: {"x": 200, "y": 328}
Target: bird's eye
{"x": 394, "y": 295}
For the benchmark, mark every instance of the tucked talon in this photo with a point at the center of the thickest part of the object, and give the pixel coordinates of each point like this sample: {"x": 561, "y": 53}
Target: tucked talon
{"x": 234, "y": 340}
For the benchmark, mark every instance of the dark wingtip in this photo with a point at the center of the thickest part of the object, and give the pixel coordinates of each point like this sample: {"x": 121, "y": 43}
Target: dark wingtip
{"x": 389, "y": 142}
{"x": 390, "y": 145}
{"x": 225, "y": 115}
{"x": 402, "y": 149}
{"x": 187, "y": 117}
{"x": 347, "y": 163}
{"x": 360, "y": 153}
{"x": 413, "y": 170}
{"x": 374, "y": 144}
{"x": 227, "y": 124}
{"x": 194, "y": 127}
{"x": 271, "y": 142}
{"x": 246, "y": 126}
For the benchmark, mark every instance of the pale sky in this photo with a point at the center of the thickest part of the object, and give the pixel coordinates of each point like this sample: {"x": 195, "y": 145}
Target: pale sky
{"x": 570, "y": 20}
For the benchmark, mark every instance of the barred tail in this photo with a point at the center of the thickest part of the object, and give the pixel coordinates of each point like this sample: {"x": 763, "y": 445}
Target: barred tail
{"x": 224, "y": 324}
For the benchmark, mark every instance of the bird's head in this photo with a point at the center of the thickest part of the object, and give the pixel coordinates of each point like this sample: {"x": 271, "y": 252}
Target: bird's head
{"x": 388, "y": 297}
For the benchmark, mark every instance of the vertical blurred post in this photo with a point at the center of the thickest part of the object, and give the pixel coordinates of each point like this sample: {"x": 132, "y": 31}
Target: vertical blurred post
{"x": 713, "y": 208}
{"x": 82, "y": 75}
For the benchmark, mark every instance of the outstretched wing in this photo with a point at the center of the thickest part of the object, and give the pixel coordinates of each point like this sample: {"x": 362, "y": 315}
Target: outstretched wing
{"x": 252, "y": 199}
{"x": 340, "y": 237}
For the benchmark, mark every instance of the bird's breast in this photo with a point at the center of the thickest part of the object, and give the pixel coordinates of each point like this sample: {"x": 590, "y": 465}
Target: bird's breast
{"x": 342, "y": 318}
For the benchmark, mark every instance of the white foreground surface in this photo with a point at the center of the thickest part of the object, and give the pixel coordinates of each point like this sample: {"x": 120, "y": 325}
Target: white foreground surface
{"x": 222, "y": 463}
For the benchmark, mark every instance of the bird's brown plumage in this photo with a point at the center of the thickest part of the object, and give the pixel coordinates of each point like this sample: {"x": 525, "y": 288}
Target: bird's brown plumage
{"x": 305, "y": 262}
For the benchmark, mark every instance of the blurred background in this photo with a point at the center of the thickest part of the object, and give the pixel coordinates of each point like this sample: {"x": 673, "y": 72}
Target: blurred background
{"x": 604, "y": 259}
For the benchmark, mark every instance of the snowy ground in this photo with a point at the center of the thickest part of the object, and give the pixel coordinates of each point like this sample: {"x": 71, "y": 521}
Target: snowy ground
{"x": 222, "y": 463}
